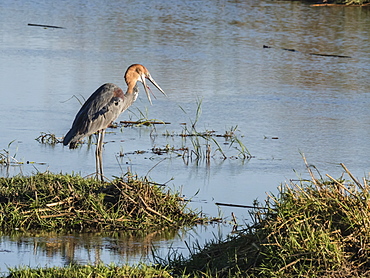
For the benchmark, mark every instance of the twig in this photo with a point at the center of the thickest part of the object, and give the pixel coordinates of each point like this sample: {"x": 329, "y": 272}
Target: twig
{"x": 153, "y": 211}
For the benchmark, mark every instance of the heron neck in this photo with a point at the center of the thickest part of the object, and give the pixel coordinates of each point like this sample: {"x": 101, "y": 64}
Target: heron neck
{"x": 131, "y": 95}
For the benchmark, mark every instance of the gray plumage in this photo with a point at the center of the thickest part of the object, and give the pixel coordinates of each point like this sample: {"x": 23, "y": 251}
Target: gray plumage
{"x": 98, "y": 112}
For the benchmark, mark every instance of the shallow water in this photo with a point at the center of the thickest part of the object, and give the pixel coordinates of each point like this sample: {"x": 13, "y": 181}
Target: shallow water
{"x": 196, "y": 50}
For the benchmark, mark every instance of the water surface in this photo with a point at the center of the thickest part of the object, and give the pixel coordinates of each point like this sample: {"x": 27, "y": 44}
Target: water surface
{"x": 196, "y": 50}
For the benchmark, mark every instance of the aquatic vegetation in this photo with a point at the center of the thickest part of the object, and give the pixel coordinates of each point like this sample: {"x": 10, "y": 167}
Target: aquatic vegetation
{"x": 69, "y": 202}
{"x": 48, "y": 138}
{"x": 145, "y": 122}
{"x": 203, "y": 143}
{"x": 195, "y": 145}
{"x": 6, "y": 158}
{"x": 142, "y": 120}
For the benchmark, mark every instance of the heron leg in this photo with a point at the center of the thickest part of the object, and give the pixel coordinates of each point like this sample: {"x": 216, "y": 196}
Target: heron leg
{"x": 99, "y": 155}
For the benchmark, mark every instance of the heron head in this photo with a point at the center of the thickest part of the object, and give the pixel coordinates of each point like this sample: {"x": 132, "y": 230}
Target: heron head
{"x": 140, "y": 73}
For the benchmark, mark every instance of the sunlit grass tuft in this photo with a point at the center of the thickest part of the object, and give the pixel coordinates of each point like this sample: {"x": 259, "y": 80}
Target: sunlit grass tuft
{"x": 69, "y": 202}
{"x": 316, "y": 228}
{"x": 77, "y": 271}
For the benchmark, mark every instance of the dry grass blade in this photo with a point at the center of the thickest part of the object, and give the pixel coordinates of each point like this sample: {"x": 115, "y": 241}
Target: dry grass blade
{"x": 309, "y": 170}
{"x": 60, "y": 202}
{"x": 352, "y": 177}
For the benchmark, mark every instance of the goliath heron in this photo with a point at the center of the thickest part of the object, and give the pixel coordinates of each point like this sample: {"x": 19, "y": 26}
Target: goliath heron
{"x": 103, "y": 107}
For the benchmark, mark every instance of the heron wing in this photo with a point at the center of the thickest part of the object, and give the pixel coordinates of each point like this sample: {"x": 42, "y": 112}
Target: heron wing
{"x": 99, "y": 110}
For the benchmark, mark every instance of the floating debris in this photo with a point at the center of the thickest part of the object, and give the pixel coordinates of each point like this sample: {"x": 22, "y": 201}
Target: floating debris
{"x": 273, "y": 137}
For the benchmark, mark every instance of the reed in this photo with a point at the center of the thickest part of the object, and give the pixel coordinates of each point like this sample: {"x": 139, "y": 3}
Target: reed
{"x": 205, "y": 144}
{"x": 69, "y": 202}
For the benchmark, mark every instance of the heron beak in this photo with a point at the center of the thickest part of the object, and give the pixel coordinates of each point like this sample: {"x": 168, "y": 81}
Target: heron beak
{"x": 147, "y": 89}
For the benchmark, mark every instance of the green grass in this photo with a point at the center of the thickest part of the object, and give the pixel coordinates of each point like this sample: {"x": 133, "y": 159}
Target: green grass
{"x": 49, "y": 201}
{"x": 316, "y": 228}
{"x": 76, "y": 271}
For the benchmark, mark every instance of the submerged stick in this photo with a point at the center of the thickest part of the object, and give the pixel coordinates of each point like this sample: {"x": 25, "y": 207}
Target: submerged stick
{"x": 45, "y": 26}
{"x": 311, "y": 53}
{"x": 238, "y": 206}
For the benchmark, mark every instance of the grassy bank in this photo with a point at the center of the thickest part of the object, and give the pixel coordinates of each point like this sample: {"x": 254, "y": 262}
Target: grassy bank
{"x": 71, "y": 203}
{"x": 350, "y": 2}
{"x": 316, "y": 228}
{"x": 340, "y": 2}
{"x": 312, "y": 228}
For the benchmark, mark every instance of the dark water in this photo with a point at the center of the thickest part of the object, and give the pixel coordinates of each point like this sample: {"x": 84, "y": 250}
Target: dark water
{"x": 208, "y": 51}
